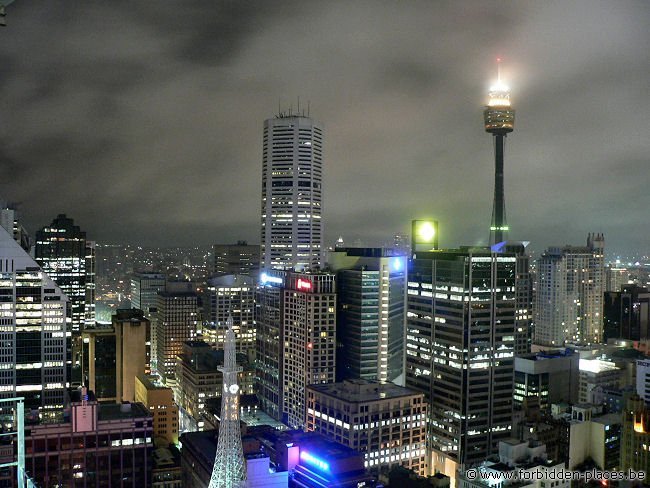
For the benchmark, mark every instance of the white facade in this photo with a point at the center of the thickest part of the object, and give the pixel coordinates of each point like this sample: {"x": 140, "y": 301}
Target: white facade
{"x": 643, "y": 380}
{"x": 569, "y": 295}
{"x": 309, "y": 346}
{"x": 33, "y": 330}
{"x": 292, "y": 193}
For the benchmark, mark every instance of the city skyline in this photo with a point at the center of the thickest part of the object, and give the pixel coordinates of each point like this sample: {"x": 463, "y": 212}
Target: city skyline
{"x": 157, "y": 113}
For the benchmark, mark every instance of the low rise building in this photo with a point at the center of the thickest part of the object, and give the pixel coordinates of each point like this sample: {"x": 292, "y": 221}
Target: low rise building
{"x": 597, "y": 372}
{"x": 544, "y": 378}
{"x": 198, "y": 378}
{"x": 385, "y": 422}
{"x": 98, "y": 445}
{"x": 160, "y": 402}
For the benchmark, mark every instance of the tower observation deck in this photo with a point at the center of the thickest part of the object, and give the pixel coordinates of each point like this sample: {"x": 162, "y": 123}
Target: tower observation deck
{"x": 499, "y": 118}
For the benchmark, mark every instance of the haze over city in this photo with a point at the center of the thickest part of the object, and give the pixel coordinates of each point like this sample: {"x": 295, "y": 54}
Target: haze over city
{"x": 143, "y": 120}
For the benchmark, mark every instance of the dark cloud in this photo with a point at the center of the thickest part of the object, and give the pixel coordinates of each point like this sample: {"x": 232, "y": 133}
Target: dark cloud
{"x": 142, "y": 120}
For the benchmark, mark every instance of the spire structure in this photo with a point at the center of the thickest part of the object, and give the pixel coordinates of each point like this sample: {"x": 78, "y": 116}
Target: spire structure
{"x": 499, "y": 118}
{"x": 229, "y": 467}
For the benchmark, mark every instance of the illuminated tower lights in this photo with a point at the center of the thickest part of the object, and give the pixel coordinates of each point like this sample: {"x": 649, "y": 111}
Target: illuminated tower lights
{"x": 499, "y": 118}
{"x": 229, "y": 467}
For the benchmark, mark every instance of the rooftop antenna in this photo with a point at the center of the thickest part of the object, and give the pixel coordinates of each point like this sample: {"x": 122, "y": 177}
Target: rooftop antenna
{"x": 308, "y": 107}
{"x": 298, "y": 105}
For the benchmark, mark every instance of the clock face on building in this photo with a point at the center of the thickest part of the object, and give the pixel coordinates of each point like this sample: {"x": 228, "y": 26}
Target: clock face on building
{"x": 234, "y": 389}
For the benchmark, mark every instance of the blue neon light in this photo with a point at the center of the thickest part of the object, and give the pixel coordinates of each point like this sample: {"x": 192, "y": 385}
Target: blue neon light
{"x": 397, "y": 264}
{"x": 265, "y": 278}
{"x": 322, "y": 465}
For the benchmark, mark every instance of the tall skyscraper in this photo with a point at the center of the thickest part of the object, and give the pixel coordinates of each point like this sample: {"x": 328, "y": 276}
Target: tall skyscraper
{"x": 114, "y": 355}
{"x": 460, "y": 350}
{"x": 62, "y": 253}
{"x": 570, "y": 292}
{"x": 229, "y": 466}
{"x": 296, "y": 340}
{"x": 292, "y": 233}
{"x": 370, "y": 313}
{"x": 33, "y": 350}
{"x": 236, "y": 259}
{"x": 499, "y": 118}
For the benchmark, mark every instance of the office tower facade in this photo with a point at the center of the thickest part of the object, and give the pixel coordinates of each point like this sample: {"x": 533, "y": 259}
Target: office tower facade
{"x": 569, "y": 295}
{"x": 102, "y": 447}
{"x": 296, "y": 340}
{"x": 159, "y": 400}
{"x": 33, "y": 349}
{"x": 544, "y": 378}
{"x": 236, "y": 259}
{"x": 370, "y": 313}
{"x": 9, "y": 220}
{"x": 524, "y": 315}
{"x": 643, "y": 379}
{"x": 385, "y": 422}
{"x": 144, "y": 291}
{"x": 114, "y": 355}
{"x": 597, "y": 373}
{"x": 175, "y": 322}
{"x": 61, "y": 251}
{"x": 616, "y": 277}
{"x": 198, "y": 377}
{"x": 230, "y": 296}
{"x": 460, "y": 339}
{"x": 91, "y": 284}
{"x": 626, "y": 313}
{"x": 499, "y": 119}
{"x": 292, "y": 232}
{"x": 229, "y": 467}
{"x": 635, "y": 438}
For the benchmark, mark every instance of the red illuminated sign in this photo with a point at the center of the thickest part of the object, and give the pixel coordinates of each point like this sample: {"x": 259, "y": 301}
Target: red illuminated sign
{"x": 304, "y": 284}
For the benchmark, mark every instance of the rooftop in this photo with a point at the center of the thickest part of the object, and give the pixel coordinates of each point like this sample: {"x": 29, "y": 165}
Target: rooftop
{"x": 359, "y": 391}
{"x": 148, "y": 384}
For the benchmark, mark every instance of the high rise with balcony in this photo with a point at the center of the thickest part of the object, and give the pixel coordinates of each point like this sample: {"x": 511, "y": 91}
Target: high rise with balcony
{"x": 292, "y": 193}
{"x": 570, "y": 293}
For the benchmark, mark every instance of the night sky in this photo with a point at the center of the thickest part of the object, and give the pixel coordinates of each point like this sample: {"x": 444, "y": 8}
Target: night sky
{"x": 142, "y": 120}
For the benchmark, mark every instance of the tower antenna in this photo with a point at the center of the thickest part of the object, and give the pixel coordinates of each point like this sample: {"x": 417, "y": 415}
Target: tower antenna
{"x": 299, "y": 105}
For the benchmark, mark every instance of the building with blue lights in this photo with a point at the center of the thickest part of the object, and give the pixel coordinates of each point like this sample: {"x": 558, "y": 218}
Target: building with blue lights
{"x": 383, "y": 421}
{"x": 370, "y": 313}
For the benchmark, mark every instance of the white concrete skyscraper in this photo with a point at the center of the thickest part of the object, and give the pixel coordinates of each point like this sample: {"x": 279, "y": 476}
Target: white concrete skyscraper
{"x": 292, "y": 193}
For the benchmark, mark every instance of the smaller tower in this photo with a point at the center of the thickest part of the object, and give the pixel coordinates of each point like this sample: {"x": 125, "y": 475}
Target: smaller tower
{"x": 499, "y": 118}
{"x": 229, "y": 467}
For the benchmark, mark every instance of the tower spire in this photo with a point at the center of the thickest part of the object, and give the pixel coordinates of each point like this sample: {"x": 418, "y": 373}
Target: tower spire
{"x": 499, "y": 119}
{"x": 229, "y": 468}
